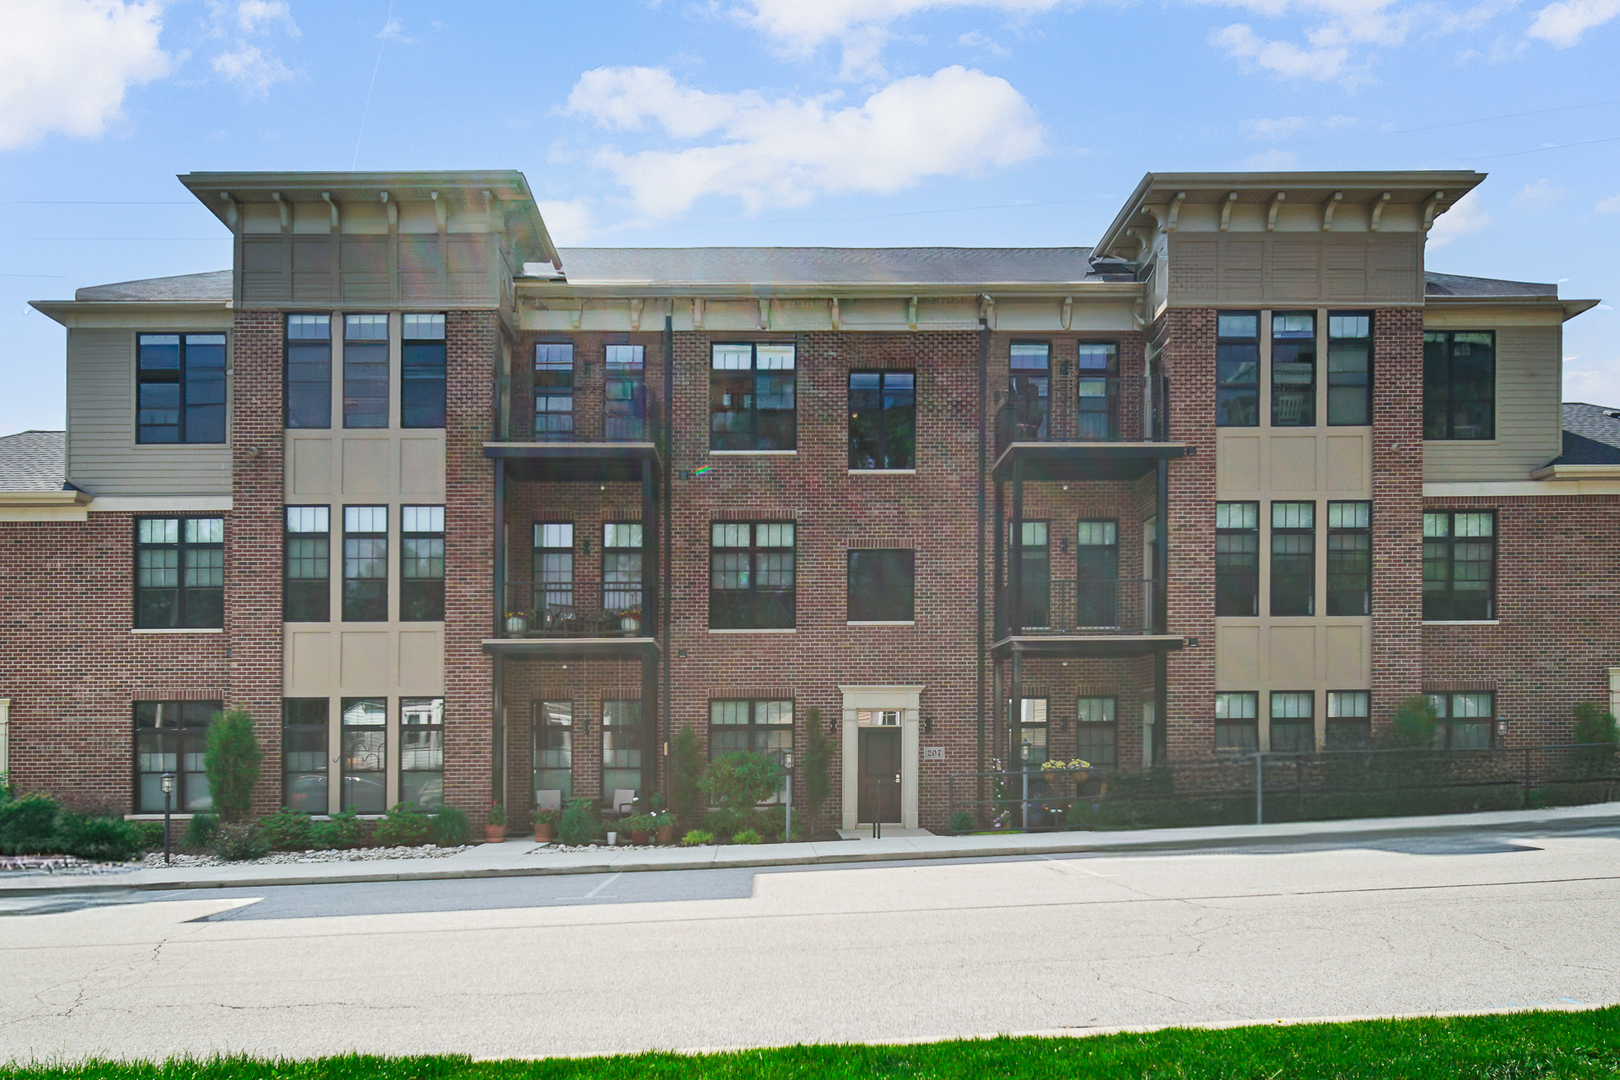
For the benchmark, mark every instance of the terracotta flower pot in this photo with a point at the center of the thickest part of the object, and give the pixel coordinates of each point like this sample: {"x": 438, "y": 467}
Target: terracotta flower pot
{"x": 666, "y": 834}
{"x": 542, "y": 832}
{"x": 637, "y": 837}
{"x": 494, "y": 834}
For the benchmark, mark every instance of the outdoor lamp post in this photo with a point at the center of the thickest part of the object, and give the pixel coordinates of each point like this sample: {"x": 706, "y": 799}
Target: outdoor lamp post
{"x": 1023, "y": 760}
{"x": 787, "y": 831}
{"x": 167, "y": 783}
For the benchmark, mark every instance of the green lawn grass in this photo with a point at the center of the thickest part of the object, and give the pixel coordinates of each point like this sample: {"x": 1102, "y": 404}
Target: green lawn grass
{"x": 1514, "y": 1046}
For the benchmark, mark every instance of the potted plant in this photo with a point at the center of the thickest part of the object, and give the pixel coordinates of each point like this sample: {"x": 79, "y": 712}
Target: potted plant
{"x": 545, "y": 825}
{"x": 517, "y": 622}
{"x": 495, "y": 824}
{"x": 640, "y": 828}
{"x": 630, "y": 621}
{"x": 663, "y": 823}
{"x": 1077, "y": 769}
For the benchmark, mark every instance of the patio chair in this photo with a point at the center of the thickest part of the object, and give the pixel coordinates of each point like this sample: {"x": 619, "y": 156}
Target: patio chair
{"x": 549, "y": 799}
{"x": 624, "y": 802}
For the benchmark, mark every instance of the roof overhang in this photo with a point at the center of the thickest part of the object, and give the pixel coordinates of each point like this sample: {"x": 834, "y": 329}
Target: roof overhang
{"x": 748, "y": 290}
{"x": 53, "y": 505}
{"x": 68, "y": 312}
{"x": 1577, "y": 472}
{"x": 1570, "y": 308}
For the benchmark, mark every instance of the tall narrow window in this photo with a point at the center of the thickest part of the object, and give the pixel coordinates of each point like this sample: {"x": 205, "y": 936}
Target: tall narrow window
{"x": 1348, "y": 719}
{"x": 179, "y": 573}
{"x": 1459, "y": 566}
{"x": 1035, "y": 575}
{"x": 1293, "y": 721}
{"x": 1236, "y": 721}
{"x": 421, "y": 752}
{"x": 1465, "y": 720}
{"x": 624, "y": 394}
{"x": 365, "y": 371}
{"x": 882, "y": 420}
{"x": 1459, "y": 384}
{"x": 1237, "y": 558}
{"x": 621, "y": 566}
{"x": 553, "y": 749}
{"x": 422, "y": 371}
{"x": 1349, "y": 558}
{"x": 421, "y": 564}
{"x": 365, "y": 564}
{"x": 309, "y": 371}
{"x": 306, "y": 595}
{"x": 172, "y": 737}
{"x": 1097, "y": 390}
{"x": 1032, "y": 733}
{"x": 752, "y": 398}
{"x": 751, "y": 575}
{"x": 1293, "y": 369}
{"x": 1096, "y": 564}
{"x": 1349, "y": 369}
{"x": 1097, "y": 739}
{"x": 304, "y": 769}
{"x": 1237, "y": 369}
{"x": 1293, "y": 558}
{"x": 621, "y": 745}
{"x": 180, "y": 388}
{"x": 1030, "y": 365}
{"x": 554, "y": 569}
{"x": 882, "y": 585}
{"x": 365, "y": 755}
{"x": 553, "y": 392}
{"x": 751, "y": 727}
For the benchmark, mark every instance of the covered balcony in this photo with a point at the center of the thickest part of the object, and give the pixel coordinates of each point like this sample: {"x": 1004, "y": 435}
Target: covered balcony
{"x": 1115, "y": 428}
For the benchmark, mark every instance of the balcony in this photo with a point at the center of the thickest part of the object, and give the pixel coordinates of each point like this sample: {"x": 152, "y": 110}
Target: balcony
{"x": 624, "y": 442}
{"x": 1087, "y": 617}
{"x": 1113, "y": 429}
{"x": 531, "y": 621}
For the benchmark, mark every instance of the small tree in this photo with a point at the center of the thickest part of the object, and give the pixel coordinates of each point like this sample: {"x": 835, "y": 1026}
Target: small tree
{"x": 232, "y": 761}
{"x": 817, "y": 762}
{"x": 740, "y": 782}
{"x": 1413, "y": 724}
{"x": 685, "y": 770}
{"x": 1595, "y": 724}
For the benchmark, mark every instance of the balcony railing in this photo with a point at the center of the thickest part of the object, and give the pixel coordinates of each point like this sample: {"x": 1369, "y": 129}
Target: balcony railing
{"x": 1081, "y": 608}
{"x": 532, "y": 611}
{"x": 1102, "y": 410}
{"x": 630, "y": 416}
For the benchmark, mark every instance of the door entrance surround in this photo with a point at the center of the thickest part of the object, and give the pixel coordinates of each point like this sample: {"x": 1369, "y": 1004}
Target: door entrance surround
{"x": 874, "y": 700}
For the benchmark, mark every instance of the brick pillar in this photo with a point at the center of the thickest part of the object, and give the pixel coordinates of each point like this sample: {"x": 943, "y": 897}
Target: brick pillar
{"x": 1397, "y": 485}
{"x": 253, "y": 532}
{"x": 471, "y": 339}
{"x": 1189, "y": 361}
{"x": 1132, "y": 369}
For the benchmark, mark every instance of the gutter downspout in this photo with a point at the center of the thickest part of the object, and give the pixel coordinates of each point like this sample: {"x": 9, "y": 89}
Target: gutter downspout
{"x": 984, "y": 405}
{"x": 666, "y": 582}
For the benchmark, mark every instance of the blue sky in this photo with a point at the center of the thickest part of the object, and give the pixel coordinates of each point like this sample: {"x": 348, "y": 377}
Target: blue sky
{"x": 840, "y": 122}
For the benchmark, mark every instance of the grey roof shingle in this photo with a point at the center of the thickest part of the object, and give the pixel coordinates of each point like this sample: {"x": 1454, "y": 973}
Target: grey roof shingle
{"x": 1591, "y": 435}
{"x": 821, "y": 265}
{"x": 214, "y": 285}
{"x": 33, "y": 461}
{"x": 1457, "y": 285}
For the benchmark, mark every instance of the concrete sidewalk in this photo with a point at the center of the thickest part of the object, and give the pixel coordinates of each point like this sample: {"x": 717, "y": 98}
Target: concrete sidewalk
{"x": 522, "y": 858}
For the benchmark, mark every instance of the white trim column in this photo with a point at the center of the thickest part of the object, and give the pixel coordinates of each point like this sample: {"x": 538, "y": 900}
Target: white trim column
{"x": 908, "y": 700}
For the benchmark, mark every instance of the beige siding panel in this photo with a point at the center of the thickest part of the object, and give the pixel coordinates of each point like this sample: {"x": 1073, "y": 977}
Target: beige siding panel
{"x": 311, "y": 466}
{"x": 1237, "y": 657}
{"x": 1529, "y": 419}
{"x": 366, "y": 467}
{"x": 365, "y": 661}
{"x": 1347, "y": 459}
{"x": 1237, "y": 463}
{"x": 1349, "y": 663}
{"x": 1293, "y": 657}
{"x": 1293, "y": 462}
{"x": 421, "y": 661}
{"x": 421, "y": 467}
{"x": 102, "y": 455}
{"x": 1283, "y": 269}
{"x": 266, "y": 272}
{"x": 306, "y": 671}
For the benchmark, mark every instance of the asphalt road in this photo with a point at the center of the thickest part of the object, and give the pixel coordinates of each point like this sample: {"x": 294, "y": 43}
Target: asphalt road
{"x": 722, "y": 958}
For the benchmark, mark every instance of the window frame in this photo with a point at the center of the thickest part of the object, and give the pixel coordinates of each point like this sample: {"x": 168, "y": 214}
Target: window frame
{"x": 632, "y": 590}
{"x": 538, "y": 572}
{"x": 1447, "y": 722}
{"x": 1027, "y": 406}
{"x": 1300, "y": 343}
{"x": 1338, "y": 720}
{"x": 539, "y": 719}
{"x": 424, "y": 590}
{"x": 1292, "y": 587}
{"x": 1234, "y": 576}
{"x": 348, "y": 750}
{"x": 1108, "y": 375}
{"x": 188, "y": 740}
{"x": 1349, "y": 563}
{"x": 753, "y": 441}
{"x": 1447, "y": 609}
{"x": 433, "y": 388}
{"x": 183, "y": 381}
{"x": 1451, "y": 399}
{"x": 623, "y": 422}
{"x": 874, "y": 586}
{"x": 1082, "y": 726}
{"x": 757, "y": 736}
{"x": 902, "y": 417}
{"x": 1229, "y": 389}
{"x": 433, "y": 748}
{"x": 1248, "y": 722}
{"x": 292, "y": 538}
{"x": 1367, "y": 375}
{"x": 1294, "y": 722}
{"x": 186, "y": 553}
{"x": 554, "y": 389}
{"x": 353, "y": 368}
{"x": 290, "y": 728}
{"x": 295, "y": 344}
{"x": 760, "y": 603}
{"x": 633, "y": 754}
{"x": 369, "y": 536}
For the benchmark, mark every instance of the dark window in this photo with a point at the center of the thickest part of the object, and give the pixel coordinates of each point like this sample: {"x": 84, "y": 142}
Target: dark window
{"x": 1349, "y": 369}
{"x": 365, "y": 564}
{"x": 179, "y": 572}
{"x": 1032, "y": 732}
{"x": 752, "y": 398}
{"x": 1293, "y": 721}
{"x": 554, "y": 567}
{"x": 1236, "y": 723}
{"x": 1293, "y": 558}
{"x": 1097, "y": 392}
{"x": 1293, "y": 369}
{"x": 1237, "y": 369}
{"x": 365, "y": 371}
{"x": 365, "y": 755}
{"x": 1459, "y": 565}
{"x": 882, "y": 420}
{"x": 304, "y": 769}
{"x": 1096, "y": 564}
{"x": 421, "y": 752}
{"x": 553, "y": 392}
{"x": 421, "y": 371}
{"x": 421, "y": 564}
{"x": 621, "y": 566}
{"x": 171, "y": 737}
{"x": 1035, "y": 574}
{"x": 180, "y": 388}
{"x": 751, "y": 727}
{"x": 1097, "y": 733}
{"x": 882, "y": 585}
{"x": 751, "y": 575}
{"x": 625, "y": 394}
{"x": 1237, "y": 558}
{"x": 1459, "y": 384}
{"x": 306, "y": 595}
{"x": 309, "y": 371}
{"x": 1348, "y": 723}
{"x": 621, "y": 746}
{"x": 1349, "y": 558}
{"x": 1030, "y": 368}
{"x": 554, "y": 749}
{"x": 1465, "y": 720}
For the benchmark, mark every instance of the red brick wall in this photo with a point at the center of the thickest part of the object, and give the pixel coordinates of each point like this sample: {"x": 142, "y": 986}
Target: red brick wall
{"x": 1397, "y": 485}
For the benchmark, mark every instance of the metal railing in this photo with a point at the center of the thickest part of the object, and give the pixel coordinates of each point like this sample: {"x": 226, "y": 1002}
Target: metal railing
{"x": 626, "y": 419}
{"x": 1085, "y": 606}
{"x": 1243, "y": 788}
{"x": 531, "y": 611}
{"x": 1106, "y": 410}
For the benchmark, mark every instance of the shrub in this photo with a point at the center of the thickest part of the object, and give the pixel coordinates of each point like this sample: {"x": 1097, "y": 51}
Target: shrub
{"x": 1595, "y": 724}
{"x": 200, "y": 832}
{"x": 741, "y": 781}
{"x": 403, "y": 826}
{"x": 747, "y": 836}
{"x": 239, "y": 841}
{"x": 696, "y": 837}
{"x": 151, "y": 835}
{"x": 1413, "y": 724}
{"x": 578, "y": 825}
{"x": 496, "y": 815}
{"x": 961, "y": 822}
{"x": 341, "y": 830}
{"x": 286, "y": 830}
{"x": 232, "y": 760}
{"x": 28, "y": 825}
{"x": 686, "y": 769}
{"x": 451, "y": 827}
{"x": 104, "y": 839}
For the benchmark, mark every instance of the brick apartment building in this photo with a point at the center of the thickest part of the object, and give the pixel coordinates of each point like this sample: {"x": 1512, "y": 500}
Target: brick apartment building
{"x": 459, "y": 516}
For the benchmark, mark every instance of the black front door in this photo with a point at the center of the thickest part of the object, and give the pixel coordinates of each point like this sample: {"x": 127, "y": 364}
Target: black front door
{"x": 1096, "y": 602}
{"x": 879, "y": 775}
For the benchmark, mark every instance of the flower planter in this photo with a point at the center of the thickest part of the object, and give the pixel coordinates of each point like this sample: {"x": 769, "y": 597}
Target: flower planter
{"x": 640, "y": 838}
{"x": 494, "y": 834}
{"x": 542, "y": 832}
{"x": 612, "y": 839}
{"x": 516, "y": 624}
{"x": 630, "y": 625}
{"x": 666, "y": 834}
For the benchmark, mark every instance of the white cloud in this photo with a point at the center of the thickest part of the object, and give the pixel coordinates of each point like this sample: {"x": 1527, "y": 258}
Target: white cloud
{"x": 1467, "y": 215}
{"x": 974, "y": 39}
{"x": 1281, "y": 57}
{"x": 251, "y": 15}
{"x": 1611, "y": 205}
{"x": 1595, "y": 381}
{"x": 783, "y": 151}
{"x": 569, "y": 223}
{"x": 65, "y": 65}
{"x": 1275, "y": 130}
{"x": 251, "y": 64}
{"x": 393, "y": 30}
{"x": 1273, "y": 160}
{"x": 251, "y": 68}
{"x": 1564, "y": 22}
{"x": 1542, "y": 191}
